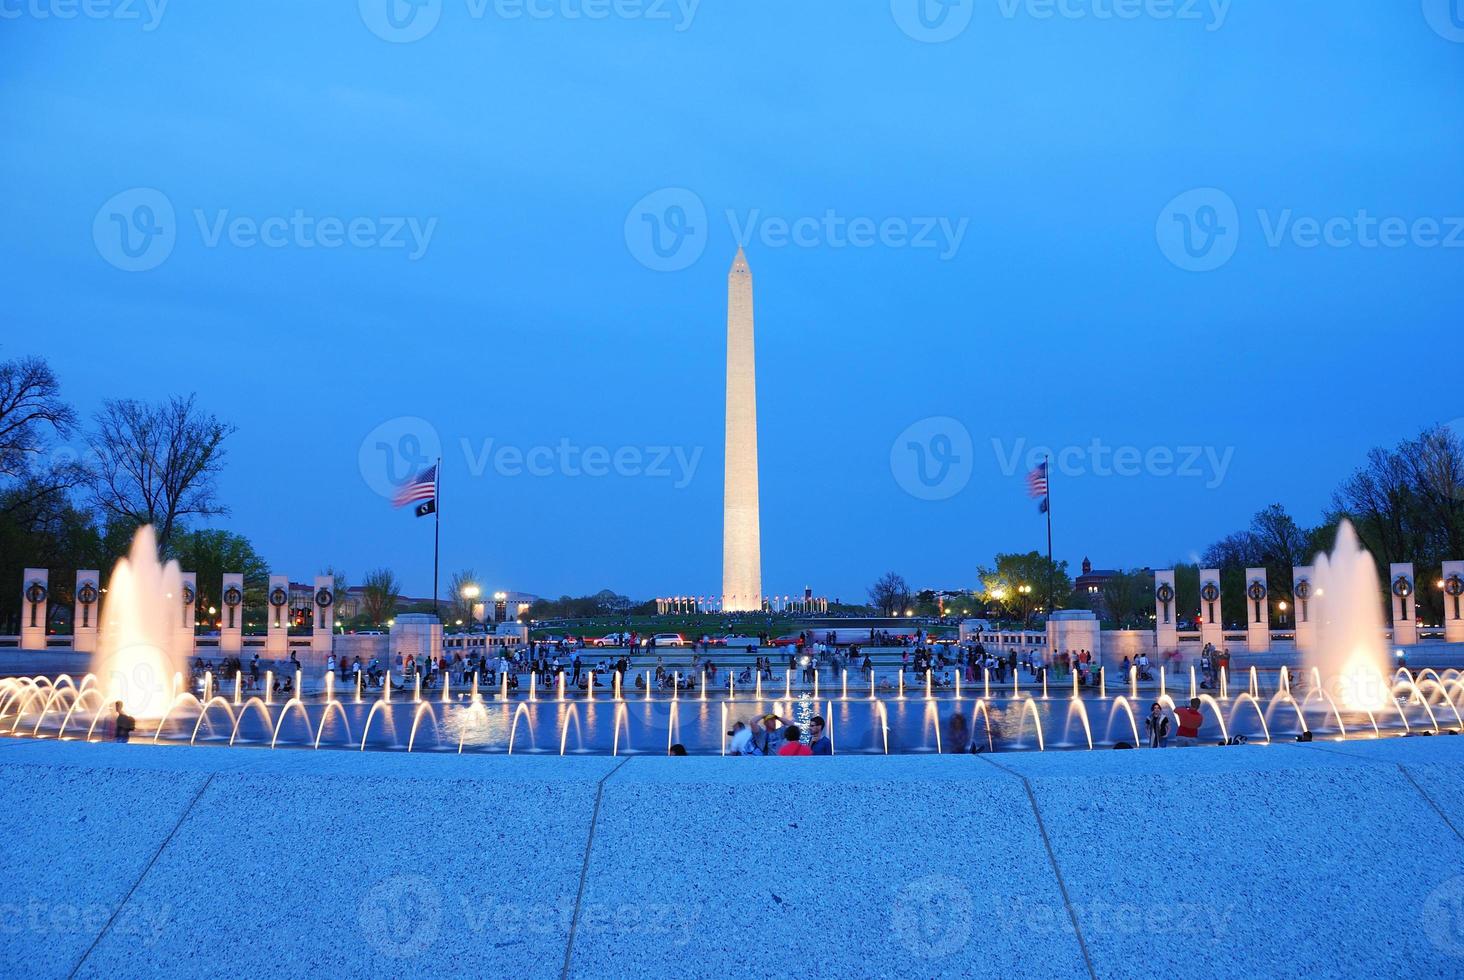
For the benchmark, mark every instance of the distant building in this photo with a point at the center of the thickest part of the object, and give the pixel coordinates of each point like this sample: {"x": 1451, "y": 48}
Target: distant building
{"x": 1089, "y": 585}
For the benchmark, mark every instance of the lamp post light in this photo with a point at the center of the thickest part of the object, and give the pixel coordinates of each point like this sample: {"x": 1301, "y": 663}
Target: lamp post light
{"x": 470, "y": 592}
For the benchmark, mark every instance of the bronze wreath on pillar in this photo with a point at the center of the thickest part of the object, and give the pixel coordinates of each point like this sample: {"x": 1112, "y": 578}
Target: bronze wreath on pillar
{"x": 36, "y": 593}
{"x": 1165, "y": 593}
{"x": 278, "y": 596}
{"x": 323, "y": 598}
{"x": 86, "y": 595}
{"x": 1454, "y": 586}
{"x": 232, "y": 598}
{"x": 188, "y": 597}
{"x": 1210, "y": 592}
{"x": 1257, "y": 591}
{"x": 1402, "y": 588}
{"x": 1303, "y": 590}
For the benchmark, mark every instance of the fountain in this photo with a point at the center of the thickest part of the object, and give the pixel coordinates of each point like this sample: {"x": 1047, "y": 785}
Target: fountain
{"x": 137, "y": 649}
{"x": 1349, "y": 638}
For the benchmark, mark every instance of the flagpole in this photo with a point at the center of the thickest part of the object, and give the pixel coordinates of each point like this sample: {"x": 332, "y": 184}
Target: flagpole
{"x": 437, "y": 531}
{"x": 1051, "y": 599}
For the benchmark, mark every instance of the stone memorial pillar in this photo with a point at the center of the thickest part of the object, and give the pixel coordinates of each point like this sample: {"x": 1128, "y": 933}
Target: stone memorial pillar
{"x": 1074, "y": 630}
{"x": 1403, "y": 589}
{"x": 35, "y": 592}
{"x": 1454, "y": 601}
{"x": 1166, "y": 618}
{"x": 1212, "y": 622}
{"x": 1257, "y": 611}
{"x": 415, "y": 635}
{"x": 188, "y": 615}
{"x": 322, "y": 633}
{"x": 1303, "y": 595}
{"x": 231, "y": 633}
{"x": 277, "y": 618}
{"x": 86, "y": 610}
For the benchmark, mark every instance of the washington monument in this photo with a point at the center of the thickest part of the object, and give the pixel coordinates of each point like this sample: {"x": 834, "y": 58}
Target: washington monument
{"x": 741, "y": 537}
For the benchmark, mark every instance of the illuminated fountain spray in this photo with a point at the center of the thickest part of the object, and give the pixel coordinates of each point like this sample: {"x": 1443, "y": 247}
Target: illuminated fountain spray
{"x": 138, "y": 650}
{"x": 1349, "y": 644}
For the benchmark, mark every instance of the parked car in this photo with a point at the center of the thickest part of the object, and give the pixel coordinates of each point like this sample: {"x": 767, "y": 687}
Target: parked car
{"x": 669, "y": 640}
{"x": 611, "y": 640}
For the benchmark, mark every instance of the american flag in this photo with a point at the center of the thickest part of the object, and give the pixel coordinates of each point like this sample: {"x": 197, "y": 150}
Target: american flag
{"x": 422, "y": 487}
{"x": 1037, "y": 485}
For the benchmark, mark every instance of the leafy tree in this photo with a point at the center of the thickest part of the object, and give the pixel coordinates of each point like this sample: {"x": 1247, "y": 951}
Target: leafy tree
{"x": 1127, "y": 598}
{"x": 1025, "y": 583}
{"x": 380, "y": 592}
{"x": 211, "y": 553}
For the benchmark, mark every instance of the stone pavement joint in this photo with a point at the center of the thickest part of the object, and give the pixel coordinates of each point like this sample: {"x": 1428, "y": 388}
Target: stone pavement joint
{"x": 585, "y": 868}
{"x": 1067, "y": 900}
{"x": 1406, "y": 775}
{"x": 156, "y": 854}
{"x": 1430, "y": 801}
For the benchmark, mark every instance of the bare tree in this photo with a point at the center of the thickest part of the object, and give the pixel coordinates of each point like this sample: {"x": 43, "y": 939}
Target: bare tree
{"x": 379, "y": 594}
{"x": 458, "y": 587}
{"x": 156, "y": 464}
{"x": 31, "y": 414}
{"x": 890, "y": 593}
{"x": 32, "y": 418}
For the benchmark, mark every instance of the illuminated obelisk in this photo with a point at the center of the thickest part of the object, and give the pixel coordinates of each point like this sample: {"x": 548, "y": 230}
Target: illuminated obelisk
{"x": 741, "y": 538}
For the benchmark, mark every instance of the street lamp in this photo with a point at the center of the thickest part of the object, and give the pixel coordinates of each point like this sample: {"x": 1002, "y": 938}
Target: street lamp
{"x": 470, "y": 592}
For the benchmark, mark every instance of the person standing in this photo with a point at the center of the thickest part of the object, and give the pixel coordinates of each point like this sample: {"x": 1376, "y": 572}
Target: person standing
{"x": 1157, "y": 725}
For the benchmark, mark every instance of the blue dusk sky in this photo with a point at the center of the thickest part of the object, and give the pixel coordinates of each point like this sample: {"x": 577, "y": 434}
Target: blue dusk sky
{"x": 1206, "y": 253}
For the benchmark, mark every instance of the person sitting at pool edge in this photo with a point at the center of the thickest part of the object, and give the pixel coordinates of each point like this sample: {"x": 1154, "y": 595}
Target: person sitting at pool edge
{"x": 818, "y": 742}
{"x": 792, "y": 744}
